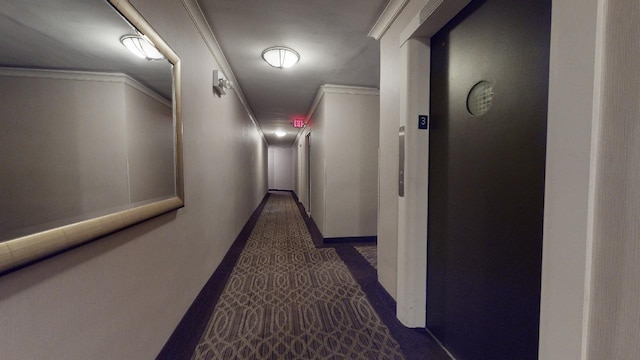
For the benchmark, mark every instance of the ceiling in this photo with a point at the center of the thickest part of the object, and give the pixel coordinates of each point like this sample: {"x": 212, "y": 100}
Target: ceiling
{"x": 76, "y": 35}
{"x": 330, "y": 36}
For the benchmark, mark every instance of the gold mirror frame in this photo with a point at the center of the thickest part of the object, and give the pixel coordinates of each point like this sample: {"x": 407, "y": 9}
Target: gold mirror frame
{"x": 22, "y": 251}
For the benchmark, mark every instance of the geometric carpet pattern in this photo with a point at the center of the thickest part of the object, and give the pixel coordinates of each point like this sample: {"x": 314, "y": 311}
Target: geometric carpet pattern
{"x": 287, "y": 299}
{"x": 370, "y": 253}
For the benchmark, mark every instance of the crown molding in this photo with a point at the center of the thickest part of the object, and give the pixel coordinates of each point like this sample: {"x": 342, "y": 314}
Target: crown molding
{"x": 351, "y": 90}
{"x": 83, "y": 76}
{"x": 433, "y": 16}
{"x": 63, "y": 74}
{"x": 338, "y": 89}
{"x": 133, "y": 83}
{"x": 389, "y": 14}
{"x": 197, "y": 16}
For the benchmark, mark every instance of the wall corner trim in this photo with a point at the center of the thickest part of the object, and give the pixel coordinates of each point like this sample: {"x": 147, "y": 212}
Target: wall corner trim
{"x": 388, "y": 16}
{"x": 197, "y": 16}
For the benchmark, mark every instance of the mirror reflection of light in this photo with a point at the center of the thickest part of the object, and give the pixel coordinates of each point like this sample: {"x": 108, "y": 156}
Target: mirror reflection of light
{"x": 141, "y": 47}
{"x": 281, "y": 133}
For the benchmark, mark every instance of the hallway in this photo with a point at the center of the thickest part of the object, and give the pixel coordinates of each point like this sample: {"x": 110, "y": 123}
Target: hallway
{"x": 136, "y": 191}
{"x": 285, "y": 298}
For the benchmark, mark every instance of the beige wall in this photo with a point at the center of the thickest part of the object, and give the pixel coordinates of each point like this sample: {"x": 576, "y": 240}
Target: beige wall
{"x": 122, "y": 296}
{"x": 150, "y": 139}
{"x": 351, "y": 157}
{"x": 390, "y": 88}
{"x": 75, "y": 145}
{"x": 281, "y": 168}
{"x": 615, "y": 304}
{"x": 53, "y": 160}
{"x": 570, "y": 164}
{"x": 344, "y": 140}
{"x": 317, "y": 127}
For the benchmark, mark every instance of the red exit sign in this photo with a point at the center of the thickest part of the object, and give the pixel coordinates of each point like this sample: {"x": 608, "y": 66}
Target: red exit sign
{"x": 298, "y": 123}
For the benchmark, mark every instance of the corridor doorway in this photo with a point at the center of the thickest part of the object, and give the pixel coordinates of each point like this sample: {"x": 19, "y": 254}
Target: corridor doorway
{"x": 488, "y": 106}
{"x": 307, "y": 146}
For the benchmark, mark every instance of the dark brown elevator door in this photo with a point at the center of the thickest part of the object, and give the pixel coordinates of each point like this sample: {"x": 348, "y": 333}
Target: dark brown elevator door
{"x": 486, "y": 178}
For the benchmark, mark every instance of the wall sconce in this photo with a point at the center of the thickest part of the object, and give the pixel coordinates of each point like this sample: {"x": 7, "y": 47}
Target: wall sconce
{"x": 220, "y": 84}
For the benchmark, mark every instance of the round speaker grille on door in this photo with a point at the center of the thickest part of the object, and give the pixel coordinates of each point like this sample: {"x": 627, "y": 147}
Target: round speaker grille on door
{"x": 480, "y": 98}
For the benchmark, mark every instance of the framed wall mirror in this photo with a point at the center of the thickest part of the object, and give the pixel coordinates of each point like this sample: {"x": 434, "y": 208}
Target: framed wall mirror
{"x": 90, "y": 135}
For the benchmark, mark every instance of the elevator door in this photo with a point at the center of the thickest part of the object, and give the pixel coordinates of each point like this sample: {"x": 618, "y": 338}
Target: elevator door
{"x": 489, "y": 85}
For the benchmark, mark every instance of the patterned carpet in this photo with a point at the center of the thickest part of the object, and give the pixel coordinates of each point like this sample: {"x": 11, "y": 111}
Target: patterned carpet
{"x": 370, "y": 253}
{"x": 285, "y": 299}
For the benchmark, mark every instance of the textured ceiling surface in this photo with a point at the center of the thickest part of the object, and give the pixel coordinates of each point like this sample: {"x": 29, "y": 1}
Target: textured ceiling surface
{"x": 76, "y": 35}
{"x": 330, "y": 36}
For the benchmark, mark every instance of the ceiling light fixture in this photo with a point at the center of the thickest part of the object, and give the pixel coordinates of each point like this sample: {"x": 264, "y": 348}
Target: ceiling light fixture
{"x": 280, "y": 57}
{"x": 281, "y": 133}
{"x": 141, "y": 47}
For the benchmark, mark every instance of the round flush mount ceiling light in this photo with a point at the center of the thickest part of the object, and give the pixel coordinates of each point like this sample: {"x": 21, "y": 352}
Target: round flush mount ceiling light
{"x": 141, "y": 47}
{"x": 280, "y": 57}
{"x": 281, "y": 133}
